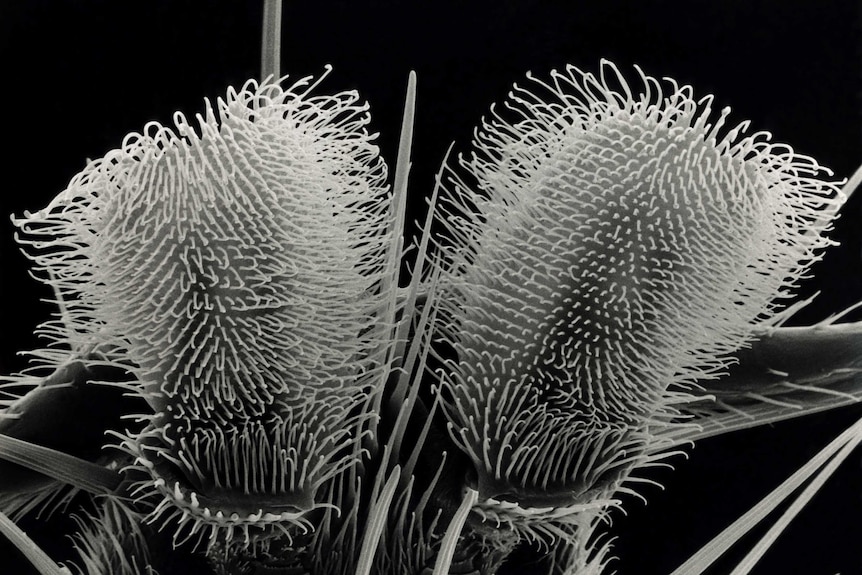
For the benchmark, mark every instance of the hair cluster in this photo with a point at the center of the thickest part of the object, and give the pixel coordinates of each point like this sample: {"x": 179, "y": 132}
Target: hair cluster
{"x": 237, "y": 267}
{"x": 603, "y": 248}
{"x": 608, "y": 245}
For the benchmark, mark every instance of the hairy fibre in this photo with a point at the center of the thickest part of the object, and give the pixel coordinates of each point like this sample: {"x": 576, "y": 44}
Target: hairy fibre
{"x": 238, "y": 268}
{"x": 608, "y": 245}
{"x": 110, "y": 541}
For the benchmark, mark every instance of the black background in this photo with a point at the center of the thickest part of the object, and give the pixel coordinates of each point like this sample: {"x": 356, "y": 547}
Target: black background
{"x": 79, "y": 75}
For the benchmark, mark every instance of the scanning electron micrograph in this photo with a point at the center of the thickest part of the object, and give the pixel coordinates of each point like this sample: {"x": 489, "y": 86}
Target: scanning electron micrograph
{"x": 486, "y": 289}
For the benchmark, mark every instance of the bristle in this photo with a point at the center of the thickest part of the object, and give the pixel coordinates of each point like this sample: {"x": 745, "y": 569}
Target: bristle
{"x": 223, "y": 258}
{"x": 110, "y": 541}
{"x": 583, "y": 549}
{"x": 608, "y": 245}
{"x": 238, "y": 267}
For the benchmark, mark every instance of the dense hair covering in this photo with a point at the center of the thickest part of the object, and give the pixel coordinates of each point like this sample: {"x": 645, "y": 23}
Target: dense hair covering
{"x": 607, "y": 245}
{"x": 237, "y": 268}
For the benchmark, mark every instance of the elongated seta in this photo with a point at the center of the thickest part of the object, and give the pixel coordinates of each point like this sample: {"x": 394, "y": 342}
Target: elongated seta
{"x": 237, "y": 267}
{"x": 608, "y": 244}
